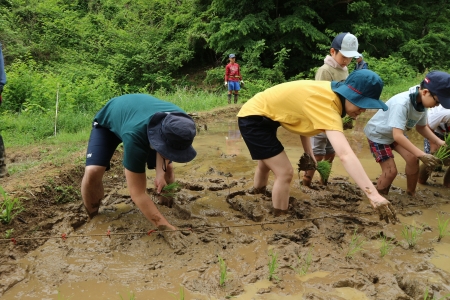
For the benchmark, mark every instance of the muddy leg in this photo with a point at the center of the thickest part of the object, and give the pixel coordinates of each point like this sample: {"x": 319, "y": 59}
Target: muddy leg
{"x": 229, "y": 98}
{"x": 309, "y": 174}
{"x": 446, "y": 181}
{"x": 92, "y": 189}
{"x": 411, "y": 169}
{"x": 424, "y": 174}
{"x": 388, "y": 174}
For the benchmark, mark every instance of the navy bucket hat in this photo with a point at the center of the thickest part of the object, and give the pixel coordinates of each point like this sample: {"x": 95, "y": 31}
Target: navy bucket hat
{"x": 438, "y": 83}
{"x": 171, "y": 135}
{"x": 362, "y": 88}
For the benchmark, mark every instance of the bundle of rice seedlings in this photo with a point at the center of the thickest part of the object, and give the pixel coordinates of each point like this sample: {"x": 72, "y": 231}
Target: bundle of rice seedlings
{"x": 442, "y": 153}
{"x": 324, "y": 169}
{"x": 348, "y": 122}
{"x": 170, "y": 190}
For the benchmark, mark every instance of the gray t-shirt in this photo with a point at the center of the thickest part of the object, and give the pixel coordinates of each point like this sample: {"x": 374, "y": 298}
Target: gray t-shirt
{"x": 401, "y": 114}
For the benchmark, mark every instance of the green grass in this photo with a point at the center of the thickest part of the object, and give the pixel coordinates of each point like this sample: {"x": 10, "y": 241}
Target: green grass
{"x": 411, "y": 234}
{"x": 386, "y": 245}
{"x": 223, "y": 271}
{"x": 304, "y": 263}
{"x": 9, "y": 208}
{"x": 273, "y": 266}
{"x": 442, "y": 228}
{"x": 355, "y": 245}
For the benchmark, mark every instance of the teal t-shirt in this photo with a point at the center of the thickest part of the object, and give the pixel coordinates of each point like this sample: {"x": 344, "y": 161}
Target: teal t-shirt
{"x": 127, "y": 117}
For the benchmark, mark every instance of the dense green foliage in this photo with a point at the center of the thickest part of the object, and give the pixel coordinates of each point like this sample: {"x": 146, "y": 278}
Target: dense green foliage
{"x": 84, "y": 52}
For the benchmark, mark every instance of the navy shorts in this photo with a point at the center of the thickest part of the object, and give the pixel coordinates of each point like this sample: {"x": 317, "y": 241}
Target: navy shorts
{"x": 260, "y": 136}
{"x": 101, "y": 147}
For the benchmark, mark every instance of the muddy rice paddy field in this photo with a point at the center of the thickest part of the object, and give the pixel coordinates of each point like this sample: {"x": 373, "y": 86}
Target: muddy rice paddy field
{"x": 327, "y": 247}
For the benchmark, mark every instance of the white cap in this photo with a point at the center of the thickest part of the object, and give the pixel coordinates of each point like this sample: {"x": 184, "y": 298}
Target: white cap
{"x": 347, "y": 44}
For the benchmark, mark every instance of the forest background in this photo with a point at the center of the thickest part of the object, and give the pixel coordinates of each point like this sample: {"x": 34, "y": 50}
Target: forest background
{"x": 84, "y": 52}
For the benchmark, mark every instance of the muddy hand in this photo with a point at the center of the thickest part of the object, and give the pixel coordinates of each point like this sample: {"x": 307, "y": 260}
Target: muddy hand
{"x": 387, "y": 212}
{"x": 175, "y": 239}
{"x": 430, "y": 161}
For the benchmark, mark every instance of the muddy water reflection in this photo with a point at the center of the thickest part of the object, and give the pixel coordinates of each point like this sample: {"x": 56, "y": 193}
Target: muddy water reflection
{"x": 104, "y": 268}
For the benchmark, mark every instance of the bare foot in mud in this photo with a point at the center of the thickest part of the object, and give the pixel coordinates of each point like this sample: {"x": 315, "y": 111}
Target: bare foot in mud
{"x": 174, "y": 238}
{"x": 279, "y": 212}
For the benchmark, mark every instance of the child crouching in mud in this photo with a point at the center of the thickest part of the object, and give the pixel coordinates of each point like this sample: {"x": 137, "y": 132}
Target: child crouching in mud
{"x": 308, "y": 108}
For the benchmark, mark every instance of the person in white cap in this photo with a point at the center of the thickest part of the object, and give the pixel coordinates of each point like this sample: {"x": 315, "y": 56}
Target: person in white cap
{"x": 343, "y": 48}
{"x": 360, "y": 63}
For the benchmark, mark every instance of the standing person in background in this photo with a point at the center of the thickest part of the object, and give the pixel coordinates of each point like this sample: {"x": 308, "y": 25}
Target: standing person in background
{"x": 360, "y": 63}
{"x": 343, "y": 48}
{"x": 439, "y": 123}
{"x": 233, "y": 78}
{"x": 3, "y": 170}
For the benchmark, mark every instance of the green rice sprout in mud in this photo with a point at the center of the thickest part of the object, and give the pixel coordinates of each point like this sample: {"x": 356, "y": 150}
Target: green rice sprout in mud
{"x": 411, "y": 234}
{"x": 426, "y": 296}
{"x": 9, "y": 207}
{"x": 324, "y": 170}
{"x": 386, "y": 245}
{"x": 355, "y": 245}
{"x": 223, "y": 271}
{"x": 442, "y": 227}
{"x": 180, "y": 295}
{"x": 273, "y": 266}
{"x": 8, "y": 233}
{"x": 170, "y": 190}
{"x": 304, "y": 266}
{"x": 131, "y": 296}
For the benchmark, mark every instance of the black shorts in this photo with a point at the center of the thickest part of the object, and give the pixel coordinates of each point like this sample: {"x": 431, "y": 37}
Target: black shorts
{"x": 101, "y": 147}
{"x": 260, "y": 135}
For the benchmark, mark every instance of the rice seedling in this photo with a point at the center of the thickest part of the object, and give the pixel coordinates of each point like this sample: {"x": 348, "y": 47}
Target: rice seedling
{"x": 223, "y": 271}
{"x": 180, "y": 295}
{"x": 9, "y": 208}
{"x": 170, "y": 190}
{"x": 355, "y": 245}
{"x": 442, "y": 226}
{"x": 447, "y": 140}
{"x": 442, "y": 153}
{"x": 411, "y": 235}
{"x": 427, "y": 297}
{"x": 386, "y": 245}
{"x": 131, "y": 296}
{"x": 273, "y": 266}
{"x": 8, "y": 233}
{"x": 304, "y": 266}
{"x": 324, "y": 169}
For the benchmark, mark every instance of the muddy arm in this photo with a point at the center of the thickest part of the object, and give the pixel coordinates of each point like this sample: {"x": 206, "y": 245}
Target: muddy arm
{"x": 354, "y": 168}
{"x": 137, "y": 186}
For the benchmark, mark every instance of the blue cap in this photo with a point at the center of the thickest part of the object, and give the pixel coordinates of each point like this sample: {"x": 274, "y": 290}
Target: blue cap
{"x": 362, "y": 88}
{"x": 438, "y": 83}
{"x": 232, "y": 55}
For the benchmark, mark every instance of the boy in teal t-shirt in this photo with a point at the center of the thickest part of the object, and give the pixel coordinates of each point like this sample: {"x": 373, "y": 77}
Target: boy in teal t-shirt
{"x": 153, "y": 132}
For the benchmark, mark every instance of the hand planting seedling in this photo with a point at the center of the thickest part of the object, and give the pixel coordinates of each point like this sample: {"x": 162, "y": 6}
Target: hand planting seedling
{"x": 273, "y": 266}
{"x": 168, "y": 193}
{"x": 442, "y": 226}
{"x": 355, "y": 246}
{"x": 306, "y": 162}
{"x": 442, "y": 153}
{"x": 223, "y": 271}
{"x": 324, "y": 169}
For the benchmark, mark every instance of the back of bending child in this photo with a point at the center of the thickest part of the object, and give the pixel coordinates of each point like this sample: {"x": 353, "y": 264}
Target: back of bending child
{"x": 307, "y": 108}
{"x": 385, "y": 131}
{"x": 439, "y": 123}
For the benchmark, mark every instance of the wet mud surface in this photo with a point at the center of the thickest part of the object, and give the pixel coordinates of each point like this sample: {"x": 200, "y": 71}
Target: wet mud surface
{"x": 117, "y": 254}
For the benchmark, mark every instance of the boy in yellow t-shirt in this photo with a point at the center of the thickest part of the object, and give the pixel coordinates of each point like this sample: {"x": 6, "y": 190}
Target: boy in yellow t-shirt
{"x": 307, "y": 108}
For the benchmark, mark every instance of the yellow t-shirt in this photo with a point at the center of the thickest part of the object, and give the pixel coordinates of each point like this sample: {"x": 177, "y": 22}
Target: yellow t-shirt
{"x": 304, "y": 107}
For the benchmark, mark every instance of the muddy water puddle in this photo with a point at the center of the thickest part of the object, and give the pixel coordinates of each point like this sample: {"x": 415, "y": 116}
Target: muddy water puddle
{"x": 213, "y": 191}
